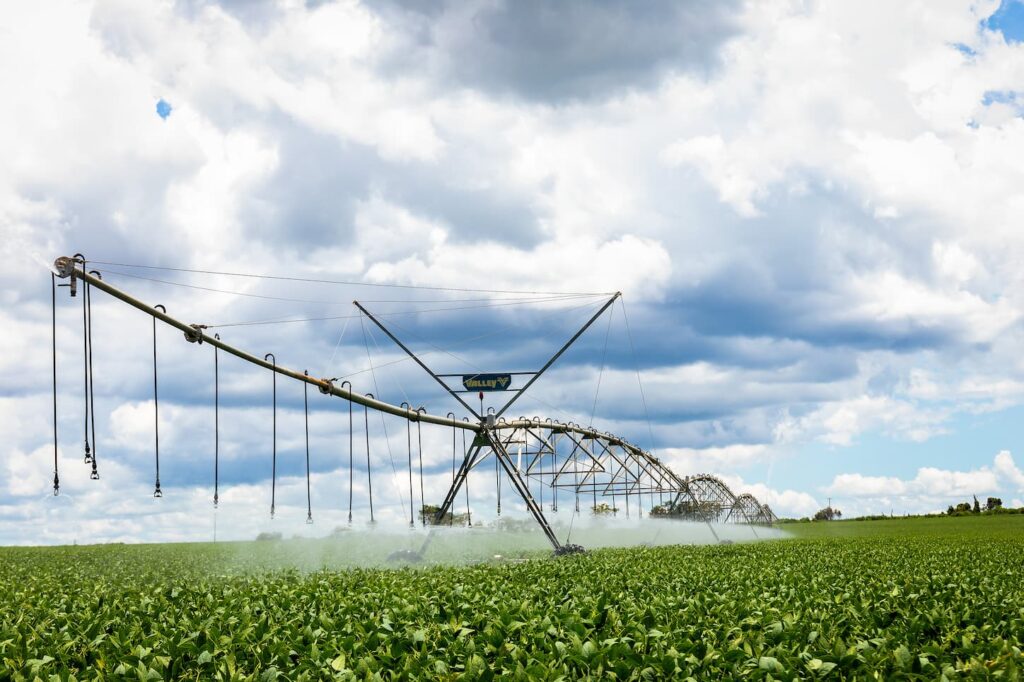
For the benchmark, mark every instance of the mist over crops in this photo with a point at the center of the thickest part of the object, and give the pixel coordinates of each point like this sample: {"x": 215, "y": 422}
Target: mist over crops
{"x": 507, "y": 540}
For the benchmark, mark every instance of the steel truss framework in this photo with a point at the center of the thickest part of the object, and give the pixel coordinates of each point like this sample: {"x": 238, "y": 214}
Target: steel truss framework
{"x": 547, "y": 462}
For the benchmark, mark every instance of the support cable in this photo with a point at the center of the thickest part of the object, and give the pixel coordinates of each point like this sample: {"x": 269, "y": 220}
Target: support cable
{"x": 94, "y": 474}
{"x": 640, "y": 383}
{"x": 53, "y": 313}
{"x": 600, "y": 373}
{"x": 394, "y": 313}
{"x": 216, "y": 424}
{"x": 327, "y": 302}
{"x": 383, "y": 423}
{"x": 329, "y": 281}
{"x": 156, "y": 410}
{"x": 273, "y": 455}
{"x": 337, "y": 344}
{"x": 305, "y": 403}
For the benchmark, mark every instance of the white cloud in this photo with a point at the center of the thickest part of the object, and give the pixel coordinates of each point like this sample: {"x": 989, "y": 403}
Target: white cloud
{"x": 931, "y": 485}
{"x": 818, "y": 233}
{"x": 726, "y": 458}
{"x": 1008, "y": 471}
{"x": 787, "y": 503}
{"x": 840, "y": 422}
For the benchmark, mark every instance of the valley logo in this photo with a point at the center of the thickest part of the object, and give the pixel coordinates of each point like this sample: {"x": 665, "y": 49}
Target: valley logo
{"x": 486, "y": 382}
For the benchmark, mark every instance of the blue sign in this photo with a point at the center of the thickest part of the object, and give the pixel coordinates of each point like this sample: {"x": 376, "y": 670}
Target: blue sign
{"x": 486, "y": 382}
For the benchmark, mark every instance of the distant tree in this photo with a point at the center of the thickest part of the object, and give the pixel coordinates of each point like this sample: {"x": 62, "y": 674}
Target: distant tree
{"x": 603, "y": 509}
{"x": 993, "y": 503}
{"x": 687, "y": 509}
{"x": 661, "y": 510}
{"x": 827, "y": 514}
{"x": 428, "y": 515}
{"x": 963, "y": 507}
{"x": 977, "y": 507}
{"x": 268, "y": 537}
{"x": 950, "y": 510}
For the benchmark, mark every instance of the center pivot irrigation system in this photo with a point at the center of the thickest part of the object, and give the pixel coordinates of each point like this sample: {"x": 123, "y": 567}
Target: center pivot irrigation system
{"x": 547, "y": 462}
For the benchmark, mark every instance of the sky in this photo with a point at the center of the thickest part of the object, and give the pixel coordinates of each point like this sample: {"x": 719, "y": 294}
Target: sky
{"x": 812, "y": 210}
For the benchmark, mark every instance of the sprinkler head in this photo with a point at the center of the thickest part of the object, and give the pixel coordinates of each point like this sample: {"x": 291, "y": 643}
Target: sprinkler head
{"x": 567, "y": 549}
{"x": 94, "y": 476}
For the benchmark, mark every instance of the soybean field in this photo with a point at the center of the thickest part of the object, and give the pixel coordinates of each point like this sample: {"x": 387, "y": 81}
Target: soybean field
{"x": 903, "y": 599}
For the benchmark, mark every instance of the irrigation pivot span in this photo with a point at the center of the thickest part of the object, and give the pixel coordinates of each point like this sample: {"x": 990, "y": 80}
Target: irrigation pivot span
{"x": 547, "y": 462}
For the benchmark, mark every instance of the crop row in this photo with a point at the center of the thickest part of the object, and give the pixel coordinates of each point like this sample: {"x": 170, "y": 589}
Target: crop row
{"x": 886, "y": 607}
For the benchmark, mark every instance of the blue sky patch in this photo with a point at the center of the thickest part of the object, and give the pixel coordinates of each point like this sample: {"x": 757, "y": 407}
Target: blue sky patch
{"x": 1008, "y": 20}
{"x": 163, "y": 109}
{"x": 999, "y": 97}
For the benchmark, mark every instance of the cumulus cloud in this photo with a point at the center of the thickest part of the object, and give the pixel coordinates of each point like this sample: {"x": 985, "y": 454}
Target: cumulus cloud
{"x": 572, "y": 50}
{"x": 817, "y": 235}
{"x": 1007, "y": 469}
{"x": 932, "y": 485}
{"x": 790, "y": 503}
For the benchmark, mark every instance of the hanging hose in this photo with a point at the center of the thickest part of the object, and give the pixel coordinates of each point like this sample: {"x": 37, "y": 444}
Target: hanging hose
{"x": 85, "y": 363}
{"x": 451, "y": 517}
{"x": 53, "y": 312}
{"x": 593, "y": 479}
{"x": 156, "y": 410}
{"x": 408, "y": 442}
{"x": 553, "y": 438}
{"x": 216, "y": 425}
{"x": 576, "y": 476}
{"x": 469, "y": 515}
{"x": 273, "y": 456}
{"x": 540, "y": 469}
{"x": 638, "y": 486}
{"x": 79, "y": 258}
{"x": 94, "y": 474}
{"x": 626, "y": 479}
{"x": 305, "y": 403}
{"x": 419, "y": 449}
{"x": 369, "y": 472}
{"x": 350, "y": 472}
{"x": 497, "y": 480}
